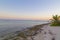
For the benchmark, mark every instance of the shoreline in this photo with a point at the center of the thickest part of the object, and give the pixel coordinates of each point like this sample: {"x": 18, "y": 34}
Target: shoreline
{"x": 28, "y": 32}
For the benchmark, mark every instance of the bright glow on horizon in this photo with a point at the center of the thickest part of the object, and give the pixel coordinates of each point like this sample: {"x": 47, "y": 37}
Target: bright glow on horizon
{"x": 29, "y": 9}
{"x": 26, "y": 17}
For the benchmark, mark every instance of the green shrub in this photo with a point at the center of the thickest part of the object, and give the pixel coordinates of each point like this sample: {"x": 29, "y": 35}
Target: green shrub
{"x": 55, "y": 21}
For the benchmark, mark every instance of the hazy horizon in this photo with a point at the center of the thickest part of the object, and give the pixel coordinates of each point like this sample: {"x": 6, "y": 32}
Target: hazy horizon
{"x": 29, "y": 9}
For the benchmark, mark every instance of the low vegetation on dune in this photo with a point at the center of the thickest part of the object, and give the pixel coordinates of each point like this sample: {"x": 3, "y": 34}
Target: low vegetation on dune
{"x": 55, "y": 21}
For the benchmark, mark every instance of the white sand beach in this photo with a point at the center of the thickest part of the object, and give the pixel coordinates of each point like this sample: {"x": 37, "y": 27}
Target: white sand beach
{"x": 49, "y": 33}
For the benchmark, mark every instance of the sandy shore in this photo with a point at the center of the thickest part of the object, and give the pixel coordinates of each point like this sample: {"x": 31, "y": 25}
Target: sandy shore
{"x": 38, "y": 32}
{"x": 50, "y": 33}
{"x": 28, "y": 34}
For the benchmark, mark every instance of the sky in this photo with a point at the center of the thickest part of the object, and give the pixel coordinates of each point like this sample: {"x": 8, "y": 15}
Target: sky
{"x": 29, "y": 9}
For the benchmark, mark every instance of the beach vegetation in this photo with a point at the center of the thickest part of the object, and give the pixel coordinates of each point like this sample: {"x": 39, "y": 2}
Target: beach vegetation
{"x": 55, "y": 20}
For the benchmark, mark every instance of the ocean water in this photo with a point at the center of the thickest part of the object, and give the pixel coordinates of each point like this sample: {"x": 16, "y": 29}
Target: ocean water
{"x": 7, "y": 26}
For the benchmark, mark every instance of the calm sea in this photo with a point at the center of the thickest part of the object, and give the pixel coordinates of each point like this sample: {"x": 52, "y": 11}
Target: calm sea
{"x": 7, "y": 26}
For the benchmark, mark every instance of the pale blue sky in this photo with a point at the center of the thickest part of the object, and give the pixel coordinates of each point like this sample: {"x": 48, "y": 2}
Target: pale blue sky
{"x": 29, "y": 9}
